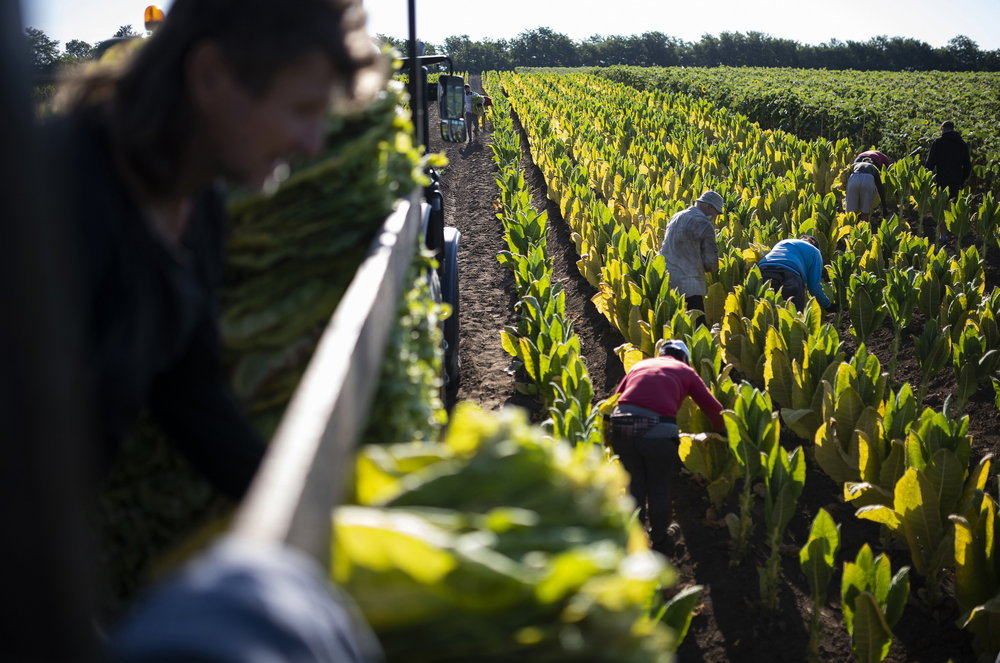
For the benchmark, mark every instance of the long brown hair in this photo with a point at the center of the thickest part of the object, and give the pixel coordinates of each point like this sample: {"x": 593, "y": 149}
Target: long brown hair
{"x": 147, "y": 103}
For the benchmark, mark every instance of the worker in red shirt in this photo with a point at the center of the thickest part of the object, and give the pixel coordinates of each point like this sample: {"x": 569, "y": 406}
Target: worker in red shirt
{"x": 878, "y": 158}
{"x": 643, "y": 431}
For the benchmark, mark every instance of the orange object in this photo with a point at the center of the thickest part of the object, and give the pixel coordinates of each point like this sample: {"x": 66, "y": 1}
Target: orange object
{"x": 153, "y": 16}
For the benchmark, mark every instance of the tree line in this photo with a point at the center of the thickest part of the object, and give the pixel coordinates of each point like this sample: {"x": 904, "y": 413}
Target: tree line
{"x": 543, "y": 47}
{"x": 46, "y": 56}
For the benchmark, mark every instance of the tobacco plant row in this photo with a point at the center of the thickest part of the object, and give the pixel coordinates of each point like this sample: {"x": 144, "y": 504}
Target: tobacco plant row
{"x": 620, "y": 164}
{"x": 897, "y": 112}
{"x": 543, "y": 345}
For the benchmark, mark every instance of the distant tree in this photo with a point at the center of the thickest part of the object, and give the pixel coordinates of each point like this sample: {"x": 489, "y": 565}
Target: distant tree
{"x": 707, "y": 52}
{"x": 403, "y": 45}
{"x": 475, "y": 56}
{"x": 44, "y": 50}
{"x": 394, "y": 42}
{"x": 903, "y": 53}
{"x": 126, "y": 31}
{"x": 598, "y": 51}
{"x": 78, "y": 50}
{"x": 542, "y": 47}
{"x": 964, "y": 54}
{"x": 660, "y": 50}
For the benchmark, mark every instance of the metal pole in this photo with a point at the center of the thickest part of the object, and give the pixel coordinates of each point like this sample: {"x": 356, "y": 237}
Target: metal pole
{"x": 416, "y": 89}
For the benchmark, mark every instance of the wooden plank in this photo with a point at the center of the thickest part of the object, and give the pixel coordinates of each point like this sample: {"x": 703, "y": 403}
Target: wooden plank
{"x": 302, "y": 477}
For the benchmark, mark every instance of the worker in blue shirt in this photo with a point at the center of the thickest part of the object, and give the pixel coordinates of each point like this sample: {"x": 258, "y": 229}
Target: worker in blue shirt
{"x": 794, "y": 265}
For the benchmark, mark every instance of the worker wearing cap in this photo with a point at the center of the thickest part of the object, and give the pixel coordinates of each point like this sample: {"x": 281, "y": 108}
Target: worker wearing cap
{"x": 643, "y": 432}
{"x": 794, "y": 265}
{"x": 690, "y": 251}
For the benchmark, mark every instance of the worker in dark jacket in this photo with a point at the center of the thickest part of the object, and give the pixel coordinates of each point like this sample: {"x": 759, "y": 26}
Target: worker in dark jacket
{"x": 949, "y": 160}
{"x": 793, "y": 266}
{"x": 224, "y": 90}
{"x": 643, "y": 431}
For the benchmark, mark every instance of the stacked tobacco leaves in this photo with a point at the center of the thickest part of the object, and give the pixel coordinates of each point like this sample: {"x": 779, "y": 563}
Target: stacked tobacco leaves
{"x": 499, "y": 544}
{"x": 292, "y": 254}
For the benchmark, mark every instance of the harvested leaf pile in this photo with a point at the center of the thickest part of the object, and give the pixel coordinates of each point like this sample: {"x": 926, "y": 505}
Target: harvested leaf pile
{"x": 292, "y": 254}
{"x": 498, "y": 543}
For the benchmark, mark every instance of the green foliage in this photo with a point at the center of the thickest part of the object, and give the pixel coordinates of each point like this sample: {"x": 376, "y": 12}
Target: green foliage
{"x": 817, "y": 558}
{"x": 846, "y": 442}
{"x": 533, "y": 562}
{"x": 872, "y": 602}
{"x": 543, "y": 345}
{"x": 901, "y": 291}
{"x": 809, "y": 103}
{"x": 407, "y": 405}
{"x": 977, "y": 570}
{"x": 867, "y": 304}
{"x": 883, "y": 450}
{"x": 784, "y": 479}
{"x": 679, "y": 610}
{"x": 923, "y": 500}
{"x": 753, "y": 429}
{"x": 619, "y": 163}
{"x": 933, "y": 348}
{"x": 710, "y": 457}
{"x": 974, "y": 361}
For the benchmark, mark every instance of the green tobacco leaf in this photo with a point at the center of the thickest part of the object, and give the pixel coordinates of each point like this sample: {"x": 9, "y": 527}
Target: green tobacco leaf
{"x": 899, "y": 593}
{"x": 777, "y": 371}
{"x": 831, "y": 456}
{"x": 679, "y": 610}
{"x": 983, "y": 622}
{"x": 803, "y": 423}
{"x": 863, "y": 493}
{"x": 848, "y": 409}
{"x": 977, "y": 572}
{"x": 871, "y": 637}
{"x": 818, "y": 556}
{"x": 881, "y": 514}
{"x": 894, "y": 465}
{"x": 510, "y": 342}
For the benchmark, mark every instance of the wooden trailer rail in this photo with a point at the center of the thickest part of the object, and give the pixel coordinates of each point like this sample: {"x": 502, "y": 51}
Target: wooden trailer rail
{"x": 302, "y": 477}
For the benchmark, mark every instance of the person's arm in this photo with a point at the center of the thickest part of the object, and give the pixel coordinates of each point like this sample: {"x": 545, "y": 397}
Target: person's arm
{"x": 932, "y": 156}
{"x": 966, "y": 163}
{"x": 192, "y": 398}
{"x": 881, "y": 193}
{"x": 814, "y": 272}
{"x": 709, "y": 250}
{"x": 708, "y": 403}
{"x": 196, "y": 408}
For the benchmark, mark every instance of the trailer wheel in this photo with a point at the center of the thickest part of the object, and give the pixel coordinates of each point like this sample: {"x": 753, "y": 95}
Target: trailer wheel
{"x": 449, "y": 294}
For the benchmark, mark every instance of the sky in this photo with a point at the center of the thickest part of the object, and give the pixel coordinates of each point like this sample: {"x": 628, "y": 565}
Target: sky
{"x": 804, "y": 21}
